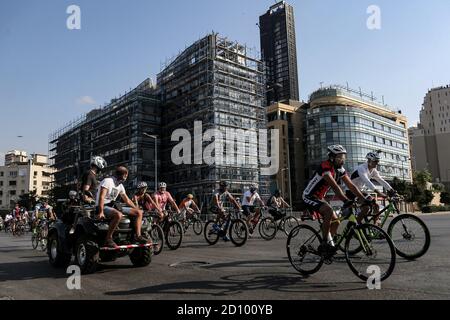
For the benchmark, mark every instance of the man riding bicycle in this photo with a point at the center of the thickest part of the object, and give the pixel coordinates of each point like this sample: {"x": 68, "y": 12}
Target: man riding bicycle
{"x": 110, "y": 189}
{"x": 146, "y": 201}
{"x": 275, "y": 204}
{"x": 163, "y": 197}
{"x": 221, "y": 196}
{"x": 188, "y": 207}
{"x": 329, "y": 175}
{"x": 248, "y": 205}
{"x": 361, "y": 179}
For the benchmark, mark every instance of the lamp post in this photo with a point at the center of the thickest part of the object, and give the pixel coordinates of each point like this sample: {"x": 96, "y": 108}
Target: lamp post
{"x": 156, "y": 157}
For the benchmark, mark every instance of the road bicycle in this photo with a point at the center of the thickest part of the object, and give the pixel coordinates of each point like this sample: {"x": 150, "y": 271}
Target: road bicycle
{"x": 409, "y": 233}
{"x": 232, "y": 224}
{"x": 190, "y": 219}
{"x": 39, "y": 236}
{"x": 153, "y": 231}
{"x": 269, "y": 226}
{"x": 173, "y": 230}
{"x": 365, "y": 246}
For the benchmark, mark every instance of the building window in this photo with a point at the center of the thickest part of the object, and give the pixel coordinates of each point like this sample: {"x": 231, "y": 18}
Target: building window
{"x": 12, "y": 192}
{"x": 13, "y": 173}
{"x": 334, "y": 119}
{"x": 13, "y": 183}
{"x": 1, "y": 174}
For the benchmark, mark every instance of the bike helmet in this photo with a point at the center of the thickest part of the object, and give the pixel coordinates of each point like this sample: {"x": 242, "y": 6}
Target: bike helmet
{"x": 72, "y": 195}
{"x": 142, "y": 185}
{"x": 162, "y": 185}
{"x": 336, "y": 149}
{"x": 373, "y": 156}
{"x": 99, "y": 162}
{"x": 190, "y": 196}
{"x": 253, "y": 187}
{"x": 223, "y": 184}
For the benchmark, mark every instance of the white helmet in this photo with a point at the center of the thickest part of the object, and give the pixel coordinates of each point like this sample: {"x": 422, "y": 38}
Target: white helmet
{"x": 73, "y": 194}
{"x": 336, "y": 149}
{"x": 99, "y": 162}
{"x": 162, "y": 185}
{"x": 142, "y": 185}
{"x": 373, "y": 156}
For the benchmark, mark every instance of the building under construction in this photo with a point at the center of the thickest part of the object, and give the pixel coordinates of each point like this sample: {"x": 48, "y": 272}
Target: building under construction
{"x": 115, "y": 132}
{"x": 220, "y": 83}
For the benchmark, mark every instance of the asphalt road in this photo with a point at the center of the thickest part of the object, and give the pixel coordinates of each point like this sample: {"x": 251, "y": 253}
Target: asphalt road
{"x": 259, "y": 270}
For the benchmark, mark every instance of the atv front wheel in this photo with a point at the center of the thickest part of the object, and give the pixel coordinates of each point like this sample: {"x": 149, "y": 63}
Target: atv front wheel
{"x": 87, "y": 254}
{"x": 141, "y": 257}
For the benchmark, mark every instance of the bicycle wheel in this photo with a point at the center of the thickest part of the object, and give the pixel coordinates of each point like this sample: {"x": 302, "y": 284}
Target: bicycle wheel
{"x": 267, "y": 228}
{"x": 174, "y": 235}
{"x": 211, "y": 235}
{"x": 410, "y": 235}
{"x": 288, "y": 224}
{"x": 238, "y": 232}
{"x": 197, "y": 226}
{"x": 302, "y": 249}
{"x": 157, "y": 236}
{"x": 34, "y": 241}
{"x": 377, "y": 249}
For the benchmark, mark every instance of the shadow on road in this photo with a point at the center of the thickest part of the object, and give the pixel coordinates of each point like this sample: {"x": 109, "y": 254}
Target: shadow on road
{"x": 29, "y": 270}
{"x": 233, "y": 285}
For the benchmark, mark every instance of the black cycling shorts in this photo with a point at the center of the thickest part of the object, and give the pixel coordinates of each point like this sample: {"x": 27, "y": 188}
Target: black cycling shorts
{"x": 313, "y": 203}
{"x": 247, "y": 210}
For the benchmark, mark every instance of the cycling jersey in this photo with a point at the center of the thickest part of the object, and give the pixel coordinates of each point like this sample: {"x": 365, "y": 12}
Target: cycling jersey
{"x": 318, "y": 186}
{"x": 253, "y": 197}
{"x": 163, "y": 198}
{"x": 186, "y": 204}
{"x": 362, "y": 175}
{"x": 146, "y": 203}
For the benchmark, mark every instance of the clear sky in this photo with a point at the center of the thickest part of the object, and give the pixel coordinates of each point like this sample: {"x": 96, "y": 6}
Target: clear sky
{"x": 49, "y": 75}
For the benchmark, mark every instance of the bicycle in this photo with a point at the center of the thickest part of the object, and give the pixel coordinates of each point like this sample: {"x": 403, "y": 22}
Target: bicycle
{"x": 405, "y": 230}
{"x": 269, "y": 227}
{"x": 365, "y": 245}
{"x": 19, "y": 228}
{"x": 190, "y": 219}
{"x": 173, "y": 230}
{"x": 39, "y": 236}
{"x": 231, "y": 223}
{"x": 156, "y": 233}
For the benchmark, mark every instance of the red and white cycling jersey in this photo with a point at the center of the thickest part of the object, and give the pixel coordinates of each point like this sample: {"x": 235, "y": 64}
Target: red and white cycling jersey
{"x": 318, "y": 186}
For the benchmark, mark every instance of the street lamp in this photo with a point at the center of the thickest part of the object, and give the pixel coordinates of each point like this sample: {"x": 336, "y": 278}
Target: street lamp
{"x": 289, "y": 182}
{"x": 156, "y": 156}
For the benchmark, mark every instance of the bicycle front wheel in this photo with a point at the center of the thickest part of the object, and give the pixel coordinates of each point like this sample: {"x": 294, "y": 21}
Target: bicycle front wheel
{"x": 174, "y": 235}
{"x": 302, "y": 249}
{"x": 211, "y": 234}
{"x": 410, "y": 235}
{"x": 197, "y": 226}
{"x": 34, "y": 241}
{"x": 376, "y": 250}
{"x": 289, "y": 223}
{"x": 267, "y": 228}
{"x": 157, "y": 236}
{"x": 238, "y": 232}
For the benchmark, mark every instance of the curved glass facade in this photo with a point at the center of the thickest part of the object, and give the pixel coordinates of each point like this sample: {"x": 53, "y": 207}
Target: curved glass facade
{"x": 360, "y": 132}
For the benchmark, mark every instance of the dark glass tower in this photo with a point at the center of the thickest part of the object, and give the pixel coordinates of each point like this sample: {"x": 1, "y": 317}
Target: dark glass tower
{"x": 279, "y": 53}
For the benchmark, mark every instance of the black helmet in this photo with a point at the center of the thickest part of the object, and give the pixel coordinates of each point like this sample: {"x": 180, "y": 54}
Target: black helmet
{"x": 277, "y": 193}
{"x": 224, "y": 184}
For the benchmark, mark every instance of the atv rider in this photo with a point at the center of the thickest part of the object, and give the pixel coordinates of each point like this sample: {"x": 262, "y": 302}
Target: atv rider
{"x": 110, "y": 189}
{"x": 89, "y": 183}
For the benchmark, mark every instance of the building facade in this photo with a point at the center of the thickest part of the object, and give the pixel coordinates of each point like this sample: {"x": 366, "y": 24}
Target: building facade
{"x": 220, "y": 84}
{"x": 279, "y": 52}
{"x": 22, "y": 175}
{"x": 430, "y": 140}
{"x": 340, "y": 115}
{"x": 115, "y": 132}
{"x": 288, "y": 119}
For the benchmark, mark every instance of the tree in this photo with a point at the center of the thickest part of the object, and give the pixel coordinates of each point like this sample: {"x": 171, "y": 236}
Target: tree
{"x": 28, "y": 200}
{"x": 422, "y": 178}
{"x": 426, "y": 198}
{"x": 401, "y": 186}
{"x": 439, "y": 187}
{"x": 445, "y": 198}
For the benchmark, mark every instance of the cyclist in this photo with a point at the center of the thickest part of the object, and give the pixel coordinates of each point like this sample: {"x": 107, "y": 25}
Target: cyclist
{"x": 16, "y": 217}
{"x": 330, "y": 174}
{"x": 248, "y": 205}
{"x": 89, "y": 182}
{"x": 221, "y": 196}
{"x": 163, "y": 197}
{"x": 361, "y": 179}
{"x": 48, "y": 211}
{"x": 146, "y": 201}
{"x": 275, "y": 203}
{"x": 110, "y": 189}
{"x": 188, "y": 206}
{"x": 8, "y": 220}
